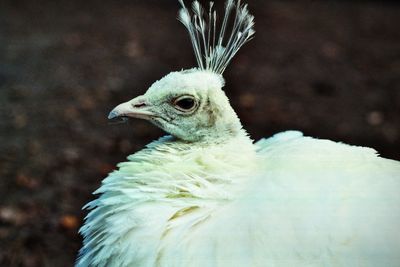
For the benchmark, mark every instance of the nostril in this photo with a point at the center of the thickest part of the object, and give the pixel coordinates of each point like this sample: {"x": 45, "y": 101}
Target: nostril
{"x": 139, "y": 105}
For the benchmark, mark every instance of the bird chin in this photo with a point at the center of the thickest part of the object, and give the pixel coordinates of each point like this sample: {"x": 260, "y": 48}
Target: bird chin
{"x": 158, "y": 121}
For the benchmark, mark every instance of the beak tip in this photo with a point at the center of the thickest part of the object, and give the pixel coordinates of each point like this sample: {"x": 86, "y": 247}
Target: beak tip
{"x": 113, "y": 114}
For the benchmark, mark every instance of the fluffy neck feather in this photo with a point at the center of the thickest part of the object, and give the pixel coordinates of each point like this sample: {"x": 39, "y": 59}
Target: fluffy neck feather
{"x": 157, "y": 185}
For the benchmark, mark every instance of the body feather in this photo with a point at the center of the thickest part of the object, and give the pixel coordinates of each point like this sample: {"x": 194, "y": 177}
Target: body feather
{"x": 287, "y": 200}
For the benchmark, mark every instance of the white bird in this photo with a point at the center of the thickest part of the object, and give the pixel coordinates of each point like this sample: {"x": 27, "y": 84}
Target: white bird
{"x": 207, "y": 196}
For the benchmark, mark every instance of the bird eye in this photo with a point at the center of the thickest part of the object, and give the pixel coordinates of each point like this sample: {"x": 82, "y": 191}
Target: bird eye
{"x": 185, "y": 103}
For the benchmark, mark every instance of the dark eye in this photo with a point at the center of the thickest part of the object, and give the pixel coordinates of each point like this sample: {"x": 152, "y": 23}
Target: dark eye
{"x": 185, "y": 103}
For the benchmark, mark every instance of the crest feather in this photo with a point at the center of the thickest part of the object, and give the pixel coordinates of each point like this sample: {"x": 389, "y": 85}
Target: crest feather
{"x": 211, "y": 53}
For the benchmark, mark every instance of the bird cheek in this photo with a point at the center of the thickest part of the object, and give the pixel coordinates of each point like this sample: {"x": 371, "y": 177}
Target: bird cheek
{"x": 169, "y": 115}
{"x": 211, "y": 117}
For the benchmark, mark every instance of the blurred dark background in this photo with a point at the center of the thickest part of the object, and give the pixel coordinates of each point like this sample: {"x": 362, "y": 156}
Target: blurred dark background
{"x": 328, "y": 68}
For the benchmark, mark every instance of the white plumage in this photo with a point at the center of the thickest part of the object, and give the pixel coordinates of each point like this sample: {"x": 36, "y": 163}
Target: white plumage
{"x": 207, "y": 196}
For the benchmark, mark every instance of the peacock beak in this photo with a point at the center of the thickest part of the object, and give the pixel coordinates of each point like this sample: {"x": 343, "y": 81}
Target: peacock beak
{"x": 135, "y": 108}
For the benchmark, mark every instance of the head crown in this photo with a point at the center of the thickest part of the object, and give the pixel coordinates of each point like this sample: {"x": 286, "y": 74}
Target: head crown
{"x": 214, "y": 52}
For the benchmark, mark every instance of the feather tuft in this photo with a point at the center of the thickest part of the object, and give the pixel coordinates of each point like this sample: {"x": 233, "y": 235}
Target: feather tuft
{"x": 212, "y": 48}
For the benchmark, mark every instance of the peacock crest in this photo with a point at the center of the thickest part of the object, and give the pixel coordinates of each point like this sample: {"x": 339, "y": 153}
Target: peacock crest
{"x": 213, "y": 46}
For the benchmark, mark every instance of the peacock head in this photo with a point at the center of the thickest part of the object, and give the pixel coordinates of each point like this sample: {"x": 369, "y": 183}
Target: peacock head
{"x": 190, "y": 104}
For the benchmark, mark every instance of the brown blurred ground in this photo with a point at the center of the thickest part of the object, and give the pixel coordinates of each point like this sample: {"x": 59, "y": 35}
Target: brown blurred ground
{"x": 330, "y": 69}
